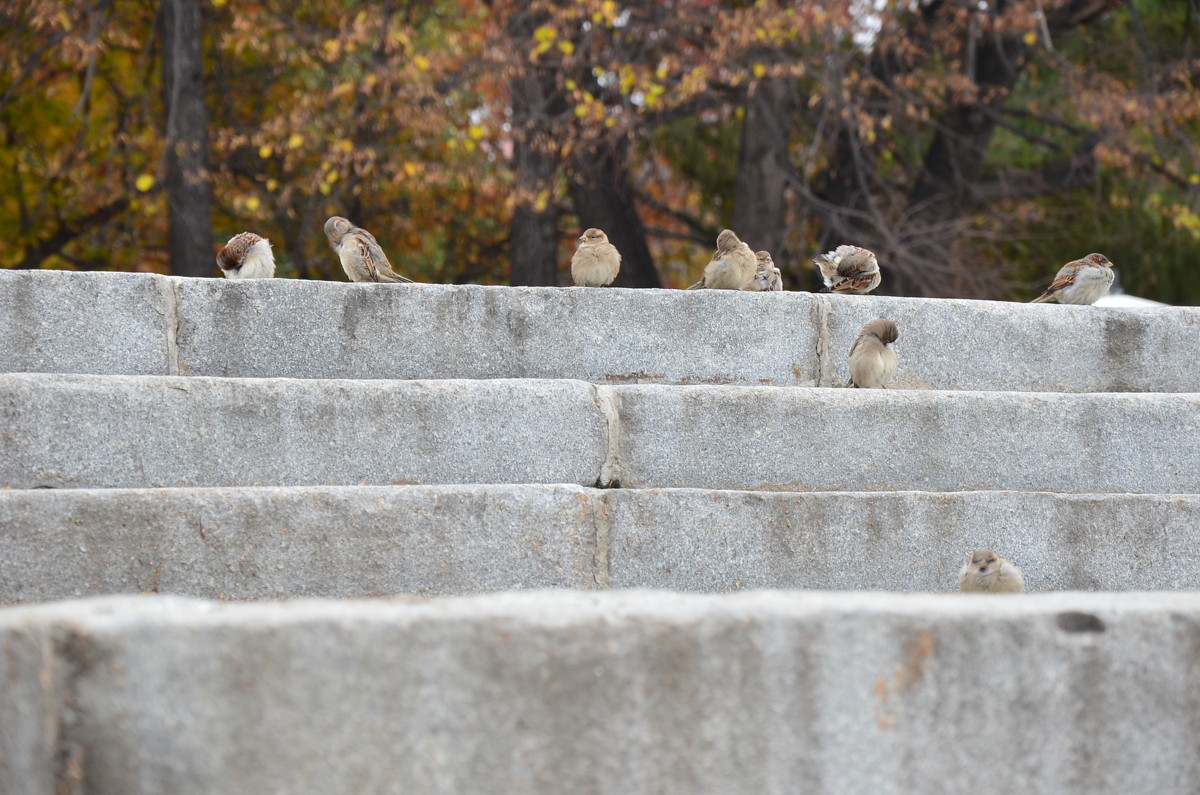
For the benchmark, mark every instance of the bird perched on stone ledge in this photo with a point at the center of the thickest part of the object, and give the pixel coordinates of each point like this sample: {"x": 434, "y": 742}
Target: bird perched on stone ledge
{"x": 872, "y": 362}
{"x": 987, "y": 572}
{"x": 849, "y": 269}
{"x": 246, "y": 256}
{"x": 1080, "y": 282}
{"x": 362, "y": 257}
{"x": 596, "y": 261}
{"x": 731, "y": 268}
{"x": 767, "y": 278}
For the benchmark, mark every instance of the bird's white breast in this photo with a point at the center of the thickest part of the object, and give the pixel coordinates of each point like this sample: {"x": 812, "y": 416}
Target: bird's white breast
{"x": 259, "y": 263}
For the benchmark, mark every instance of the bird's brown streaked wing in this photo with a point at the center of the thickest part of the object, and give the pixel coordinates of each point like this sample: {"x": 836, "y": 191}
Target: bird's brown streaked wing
{"x": 363, "y": 248}
{"x": 860, "y": 282}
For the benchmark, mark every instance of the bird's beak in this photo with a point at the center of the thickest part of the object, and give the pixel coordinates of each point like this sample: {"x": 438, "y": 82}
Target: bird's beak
{"x": 582, "y": 238}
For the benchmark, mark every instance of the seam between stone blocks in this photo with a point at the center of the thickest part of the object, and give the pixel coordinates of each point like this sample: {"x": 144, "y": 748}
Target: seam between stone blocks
{"x": 820, "y": 317}
{"x": 601, "y": 527}
{"x": 171, "y": 315}
{"x": 608, "y": 401}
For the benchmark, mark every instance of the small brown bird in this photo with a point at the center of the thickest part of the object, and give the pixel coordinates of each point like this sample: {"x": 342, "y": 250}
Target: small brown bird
{"x": 1080, "y": 282}
{"x": 362, "y": 258}
{"x": 596, "y": 261}
{"x": 849, "y": 269}
{"x": 987, "y": 572}
{"x": 246, "y": 256}
{"x": 872, "y": 362}
{"x": 767, "y": 278}
{"x": 731, "y": 268}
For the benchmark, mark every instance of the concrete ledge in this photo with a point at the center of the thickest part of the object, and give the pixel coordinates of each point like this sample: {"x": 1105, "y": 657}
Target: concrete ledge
{"x": 358, "y": 541}
{"x": 610, "y": 692}
{"x": 141, "y": 324}
{"x": 108, "y": 323}
{"x": 66, "y": 431}
{"x": 897, "y": 440}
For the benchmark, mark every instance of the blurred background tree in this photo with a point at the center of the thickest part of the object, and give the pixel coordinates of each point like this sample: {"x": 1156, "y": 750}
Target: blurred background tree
{"x": 975, "y": 145}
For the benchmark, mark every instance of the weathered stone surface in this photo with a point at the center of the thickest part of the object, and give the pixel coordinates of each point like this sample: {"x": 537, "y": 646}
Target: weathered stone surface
{"x": 625, "y": 692}
{"x": 66, "y": 431}
{"x": 283, "y": 328}
{"x": 765, "y": 438}
{"x": 59, "y": 322}
{"x": 1001, "y": 346}
{"x": 698, "y": 540}
{"x": 142, "y": 324}
{"x": 263, "y": 543}
{"x": 359, "y": 541}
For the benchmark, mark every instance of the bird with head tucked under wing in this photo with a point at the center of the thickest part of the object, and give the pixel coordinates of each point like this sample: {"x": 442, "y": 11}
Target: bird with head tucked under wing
{"x": 849, "y": 269}
{"x": 246, "y": 256}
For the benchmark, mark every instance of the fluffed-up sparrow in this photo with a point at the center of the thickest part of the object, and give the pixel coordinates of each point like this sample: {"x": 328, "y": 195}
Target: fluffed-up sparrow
{"x": 246, "y": 256}
{"x": 987, "y": 572}
{"x": 872, "y": 362}
{"x": 596, "y": 261}
{"x": 848, "y": 269}
{"x": 767, "y": 278}
{"x": 731, "y": 268}
{"x": 1080, "y": 282}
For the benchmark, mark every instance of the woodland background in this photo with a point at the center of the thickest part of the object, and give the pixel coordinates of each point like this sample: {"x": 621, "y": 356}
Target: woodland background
{"x": 975, "y": 146}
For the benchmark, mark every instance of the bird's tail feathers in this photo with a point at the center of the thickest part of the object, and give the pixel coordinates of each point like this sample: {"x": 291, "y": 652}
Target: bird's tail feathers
{"x": 698, "y": 285}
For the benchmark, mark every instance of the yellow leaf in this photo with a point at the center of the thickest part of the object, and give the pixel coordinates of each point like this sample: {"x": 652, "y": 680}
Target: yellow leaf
{"x": 325, "y": 188}
{"x": 332, "y": 176}
{"x": 566, "y": 47}
{"x": 1194, "y": 179}
{"x": 346, "y": 145}
{"x": 219, "y": 3}
{"x": 543, "y": 201}
{"x": 252, "y": 204}
{"x": 422, "y": 62}
{"x": 295, "y": 141}
{"x": 272, "y": 184}
{"x": 476, "y": 132}
{"x": 581, "y": 110}
{"x": 545, "y": 33}
{"x": 144, "y": 183}
{"x": 571, "y": 85}
{"x": 759, "y": 71}
{"x": 64, "y": 21}
{"x": 469, "y": 145}
{"x": 410, "y": 169}
{"x": 1031, "y": 38}
{"x": 265, "y": 151}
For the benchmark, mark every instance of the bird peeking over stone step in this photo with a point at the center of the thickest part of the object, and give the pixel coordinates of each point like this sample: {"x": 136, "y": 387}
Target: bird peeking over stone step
{"x": 848, "y": 269}
{"x": 872, "y": 362}
{"x": 596, "y": 261}
{"x": 246, "y": 256}
{"x": 361, "y": 256}
{"x": 732, "y": 267}
{"x": 1082, "y": 281}
{"x": 987, "y": 572}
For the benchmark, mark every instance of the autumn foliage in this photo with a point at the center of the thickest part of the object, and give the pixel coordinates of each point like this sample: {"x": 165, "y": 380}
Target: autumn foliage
{"x": 975, "y": 146}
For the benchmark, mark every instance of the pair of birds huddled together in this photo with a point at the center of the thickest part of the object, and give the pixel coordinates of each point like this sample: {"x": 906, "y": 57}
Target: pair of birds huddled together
{"x": 248, "y": 256}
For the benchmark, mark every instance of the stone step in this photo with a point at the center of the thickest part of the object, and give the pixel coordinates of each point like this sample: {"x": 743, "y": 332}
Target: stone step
{"x": 142, "y": 324}
{"x": 71, "y": 431}
{"x": 615, "y": 692}
{"x": 361, "y": 541}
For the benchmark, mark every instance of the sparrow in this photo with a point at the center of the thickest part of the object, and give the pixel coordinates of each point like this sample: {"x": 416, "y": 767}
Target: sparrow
{"x": 362, "y": 258}
{"x": 987, "y": 572}
{"x": 767, "y": 278}
{"x": 596, "y": 261}
{"x": 1080, "y": 282}
{"x": 246, "y": 256}
{"x": 848, "y": 269}
{"x": 872, "y": 362}
{"x": 731, "y": 268}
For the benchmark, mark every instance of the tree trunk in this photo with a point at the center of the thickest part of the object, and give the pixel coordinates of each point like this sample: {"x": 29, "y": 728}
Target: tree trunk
{"x": 603, "y": 198}
{"x": 187, "y": 183}
{"x": 763, "y": 165}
